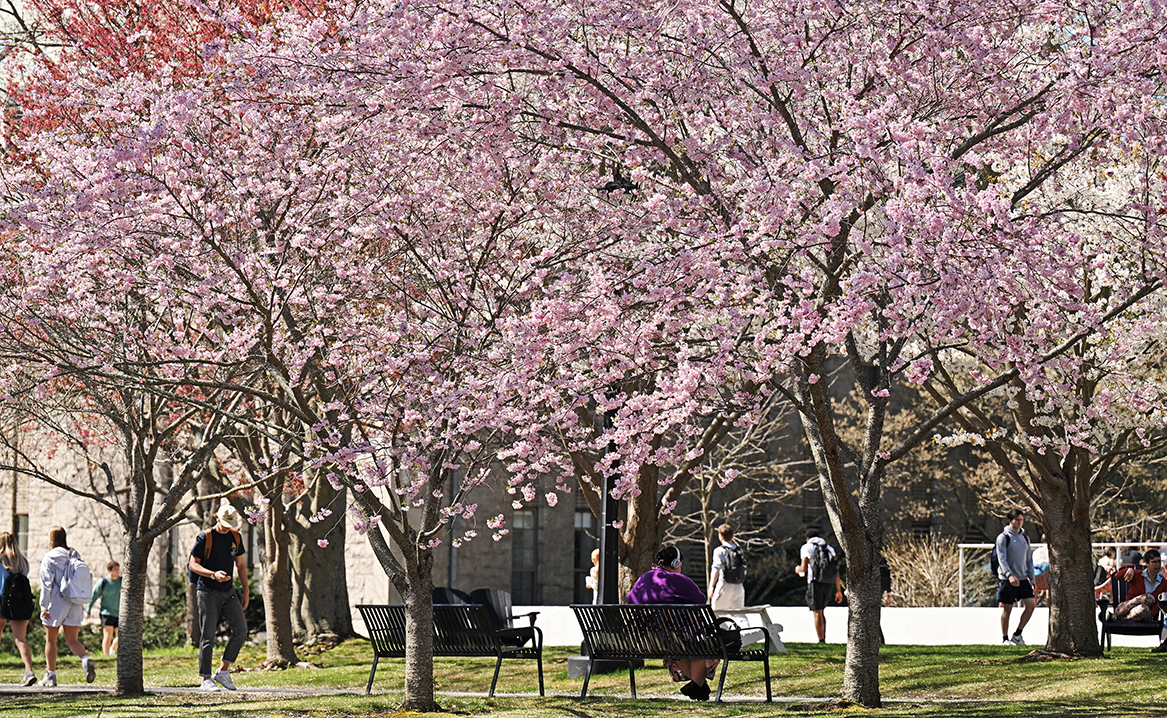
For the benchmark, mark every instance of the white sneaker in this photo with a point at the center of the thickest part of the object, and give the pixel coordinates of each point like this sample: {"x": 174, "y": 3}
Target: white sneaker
{"x": 209, "y": 685}
{"x": 1017, "y": 640}
{"x": 89, "y": 668}
{"x": 49, "y": 681}
{"x": 28, "y": 680}
{"x": 223, "y": 678}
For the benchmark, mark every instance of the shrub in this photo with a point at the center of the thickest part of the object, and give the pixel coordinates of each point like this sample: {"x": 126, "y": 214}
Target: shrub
{"x": 925, "y": 570}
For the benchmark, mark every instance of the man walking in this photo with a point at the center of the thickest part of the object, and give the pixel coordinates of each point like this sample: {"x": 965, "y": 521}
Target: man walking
{"x": 726, "y": 587}
{"x": 1014, "y": 575}
{"x": 216, "y": 554}
{"x": 821, "y": 567}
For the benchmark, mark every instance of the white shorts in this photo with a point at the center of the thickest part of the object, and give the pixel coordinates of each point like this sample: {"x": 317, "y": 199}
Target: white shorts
{"x": 729, "y": 595}
{"x": 64, "y": 613}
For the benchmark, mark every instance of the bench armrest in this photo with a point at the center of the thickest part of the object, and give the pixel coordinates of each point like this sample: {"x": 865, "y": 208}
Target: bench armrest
{"x": 530, "y": 615}
{"x": 754, "y": 634}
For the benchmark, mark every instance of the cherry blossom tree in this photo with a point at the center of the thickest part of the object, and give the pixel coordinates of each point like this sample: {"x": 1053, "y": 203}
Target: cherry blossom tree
{"x": 393, "y": 215}
{"x": 80, "y": 427}
{"x": 865, "y": 183}
{"x": 355, "y": 260}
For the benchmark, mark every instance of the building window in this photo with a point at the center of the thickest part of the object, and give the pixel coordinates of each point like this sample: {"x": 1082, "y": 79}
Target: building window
{"x": 20, "y": 523}
{"x": 585, "y": 542}
{"x": 813, "y": 505}
{"x": 524, "y": 540}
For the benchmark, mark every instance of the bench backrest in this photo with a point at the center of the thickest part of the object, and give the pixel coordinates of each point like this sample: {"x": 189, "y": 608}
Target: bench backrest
{"x": 459, "y": 630}
{"x": 657, "y": 631}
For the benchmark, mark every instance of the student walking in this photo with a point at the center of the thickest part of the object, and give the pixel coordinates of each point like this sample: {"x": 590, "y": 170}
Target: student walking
{"x": 216, "y": 554}
{"x": 1015, "y": 575}
{"x": 109, "y": 591}
{"x": 16, "y": 604}
{"x": 728, "y": 572}
{"x": 819, "y": 563}
{"x": 65, "y": 588}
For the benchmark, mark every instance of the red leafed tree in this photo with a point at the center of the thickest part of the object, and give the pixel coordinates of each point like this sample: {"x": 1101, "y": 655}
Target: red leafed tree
{"x": 57, "y": 43}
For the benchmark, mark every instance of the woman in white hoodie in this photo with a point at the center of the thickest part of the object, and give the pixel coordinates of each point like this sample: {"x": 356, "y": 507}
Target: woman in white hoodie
{"x": 57, "y": 611}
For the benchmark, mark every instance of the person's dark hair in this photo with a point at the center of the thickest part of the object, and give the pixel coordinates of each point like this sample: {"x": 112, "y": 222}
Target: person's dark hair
{"x": 1151, "y": 553}
{"x": 725, "y": 531}
{"x": 57, "y": 538}
{"x": 1014, "y": 513}
{"x": 109, "y": 566}
{"x": 667, "y": 557}
{"x": 1110, "y": 552}
{"x": 812, "y": 533}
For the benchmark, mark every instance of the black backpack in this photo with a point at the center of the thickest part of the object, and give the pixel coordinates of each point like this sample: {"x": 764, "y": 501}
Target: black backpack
{"x": 733, "y": 565}
{"x": 884, "y": 575}
{"x": 994, "y": 562}
{"x": 16, "y": 601}
{"x": 824, "y": 564}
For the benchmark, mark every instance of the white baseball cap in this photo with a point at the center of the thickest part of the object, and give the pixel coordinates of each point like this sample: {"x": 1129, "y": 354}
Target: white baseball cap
{"x": 229, "y": 516}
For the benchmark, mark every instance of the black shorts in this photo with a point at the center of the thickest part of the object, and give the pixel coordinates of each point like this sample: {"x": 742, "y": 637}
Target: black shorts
{"x": 111, "y": 621}
{"x": 817, "y": 595}
{"x": 1009, "y": 594}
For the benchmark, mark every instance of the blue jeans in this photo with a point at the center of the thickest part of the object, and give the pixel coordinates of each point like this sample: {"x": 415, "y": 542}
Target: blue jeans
{"x": 214, "y": 605}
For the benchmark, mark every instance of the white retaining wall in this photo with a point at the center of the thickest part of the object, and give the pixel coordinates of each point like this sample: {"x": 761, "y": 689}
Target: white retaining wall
{"x": 915, "y": 626}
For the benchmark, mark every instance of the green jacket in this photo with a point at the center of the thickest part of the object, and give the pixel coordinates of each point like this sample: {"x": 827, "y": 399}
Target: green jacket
{"x": 110, "y": 593}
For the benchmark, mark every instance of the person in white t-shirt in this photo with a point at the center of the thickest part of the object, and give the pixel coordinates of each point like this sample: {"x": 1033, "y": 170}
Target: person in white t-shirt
{"x": 818, "y": 588}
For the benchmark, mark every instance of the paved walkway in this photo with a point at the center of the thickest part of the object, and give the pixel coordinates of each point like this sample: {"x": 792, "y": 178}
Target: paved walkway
{"x": 245, "y": 693}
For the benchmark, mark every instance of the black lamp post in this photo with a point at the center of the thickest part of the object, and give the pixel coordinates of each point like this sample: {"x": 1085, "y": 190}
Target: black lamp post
{"x": 609, "y": 584}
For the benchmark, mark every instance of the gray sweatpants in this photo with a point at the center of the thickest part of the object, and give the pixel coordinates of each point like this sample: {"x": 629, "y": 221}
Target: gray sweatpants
{"x": 214, "y": 605}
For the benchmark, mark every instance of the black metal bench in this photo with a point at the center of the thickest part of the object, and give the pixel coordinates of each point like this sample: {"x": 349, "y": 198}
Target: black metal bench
{"x": 463, "y": 631}
{"x": 631, "y": 632}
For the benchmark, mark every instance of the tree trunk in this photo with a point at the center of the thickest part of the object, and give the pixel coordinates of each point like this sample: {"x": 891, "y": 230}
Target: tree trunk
{"x": 320, "y": 604}
{"x": 132, "y": 615}
{"x": 277, "y": 591}
{"x": 861, "y": 671}
{"x": 419, "y": 636}
{"x": 643, "y": 531}
{"x": 856, "y": 518}
{"x": 1073, "y": 628}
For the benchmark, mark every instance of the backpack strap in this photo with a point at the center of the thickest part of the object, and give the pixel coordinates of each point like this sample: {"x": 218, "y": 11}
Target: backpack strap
{"x": 236, "y": 542}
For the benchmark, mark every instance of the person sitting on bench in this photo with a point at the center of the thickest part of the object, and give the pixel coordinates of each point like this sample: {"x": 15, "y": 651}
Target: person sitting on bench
{"x": 664, "y": 583}
{"x": 1145, "y": 586}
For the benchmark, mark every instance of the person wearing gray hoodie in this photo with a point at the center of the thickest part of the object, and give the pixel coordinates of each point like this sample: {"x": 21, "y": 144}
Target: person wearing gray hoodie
{"x": 57, "y": 611}
{"x": 1015, "y": 575}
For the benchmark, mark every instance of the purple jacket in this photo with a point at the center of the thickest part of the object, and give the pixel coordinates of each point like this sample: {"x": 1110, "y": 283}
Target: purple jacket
{"x": 661, "y": 586}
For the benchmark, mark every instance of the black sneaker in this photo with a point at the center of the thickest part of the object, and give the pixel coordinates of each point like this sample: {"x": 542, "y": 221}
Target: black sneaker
{"x": 703, "y": 692}
{"x": 1161, "y": 648}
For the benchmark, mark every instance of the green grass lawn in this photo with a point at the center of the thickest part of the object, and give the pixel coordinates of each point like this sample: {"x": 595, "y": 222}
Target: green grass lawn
{"x": 924, "y": 681}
